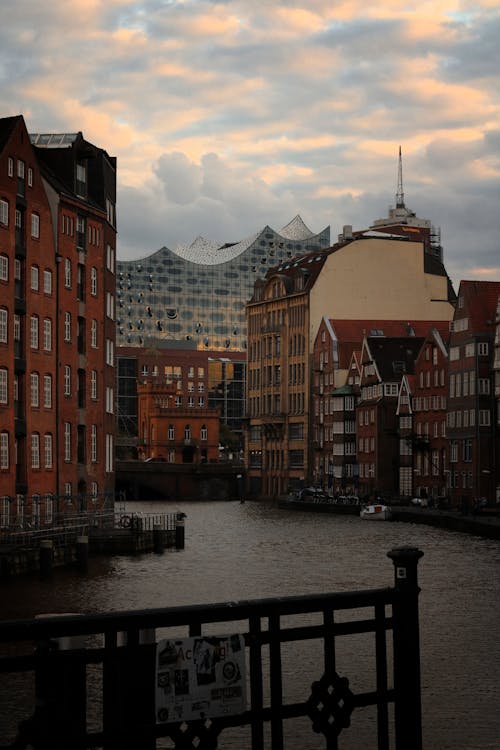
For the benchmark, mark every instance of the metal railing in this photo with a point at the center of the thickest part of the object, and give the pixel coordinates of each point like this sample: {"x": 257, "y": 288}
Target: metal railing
{"x": 123, "y": 648}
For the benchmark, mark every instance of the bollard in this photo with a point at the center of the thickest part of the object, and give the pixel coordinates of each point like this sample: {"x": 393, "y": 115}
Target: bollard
{"x": 179, "y": 530}
{"x": 158, "y": 539}
{"x": 46, "y": 559}
{"x": 406, "y": 644}
{"x": 82, "y": 553}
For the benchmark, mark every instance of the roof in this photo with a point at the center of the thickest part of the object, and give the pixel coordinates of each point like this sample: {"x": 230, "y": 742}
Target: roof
{"x": 53, "y": 140}
{"x": 209, "y": 252}
{"x": 394, "y": 357}
{"x": 481, "y": 300}
{"x": 355, "y": 330}
{"x": 7, "y": 125}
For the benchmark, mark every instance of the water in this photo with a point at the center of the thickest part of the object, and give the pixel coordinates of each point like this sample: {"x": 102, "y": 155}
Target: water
{"x": 253, "y": 550}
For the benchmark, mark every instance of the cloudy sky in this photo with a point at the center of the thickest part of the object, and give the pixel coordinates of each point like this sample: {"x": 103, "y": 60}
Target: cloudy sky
{"x": 227, "y": 116}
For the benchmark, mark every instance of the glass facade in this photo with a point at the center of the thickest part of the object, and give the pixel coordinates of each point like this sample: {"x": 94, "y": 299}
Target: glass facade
{"x": 199, "y": 293}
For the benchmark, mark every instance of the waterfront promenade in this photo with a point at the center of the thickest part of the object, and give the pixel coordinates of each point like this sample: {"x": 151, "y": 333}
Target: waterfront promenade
{"x": 485, "y": 525}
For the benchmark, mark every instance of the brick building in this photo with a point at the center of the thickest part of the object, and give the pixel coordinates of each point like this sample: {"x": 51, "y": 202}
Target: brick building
{"x": 57, "y": 329}
{"x": 472, "y": 420}
{"x": 171, "y": 431}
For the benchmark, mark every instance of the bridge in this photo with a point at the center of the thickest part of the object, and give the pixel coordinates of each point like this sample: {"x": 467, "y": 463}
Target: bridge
{"x": 159, "y": 480}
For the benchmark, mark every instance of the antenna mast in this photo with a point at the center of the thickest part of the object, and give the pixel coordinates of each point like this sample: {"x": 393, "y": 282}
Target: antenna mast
{"x": 400, "y": 196}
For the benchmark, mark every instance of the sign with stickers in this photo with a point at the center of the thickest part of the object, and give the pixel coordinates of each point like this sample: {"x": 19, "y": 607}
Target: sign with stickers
{"x": 200, "y": 677}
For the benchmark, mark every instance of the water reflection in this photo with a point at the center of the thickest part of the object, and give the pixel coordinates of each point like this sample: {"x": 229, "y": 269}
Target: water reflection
{"x": 254, "y": 550}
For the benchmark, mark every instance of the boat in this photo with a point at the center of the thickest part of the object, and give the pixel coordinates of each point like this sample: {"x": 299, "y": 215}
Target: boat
{"x": 376, "y": 512}
{"x": 315, "y": 500}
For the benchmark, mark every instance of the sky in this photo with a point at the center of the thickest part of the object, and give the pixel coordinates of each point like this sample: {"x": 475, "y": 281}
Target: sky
{"x": 229, "y": 116}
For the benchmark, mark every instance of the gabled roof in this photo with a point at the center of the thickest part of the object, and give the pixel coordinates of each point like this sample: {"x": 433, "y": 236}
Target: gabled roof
{"x": 7, "y": 125}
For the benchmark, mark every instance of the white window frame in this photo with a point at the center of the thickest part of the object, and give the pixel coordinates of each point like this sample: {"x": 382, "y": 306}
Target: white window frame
{"x": 4, "y": 212}
{"x": 47, "y": 281}
{"x": 35, "y": 450}
{"x": 93, "y": 385}
{"x": 47, "y": 391}
{"x": 4, "y": 267}
{"x": 67, "y": 380}
{"x": 4, "y": 449}
{"x": 35, "y": 279}
{"x": 93, "y": 281}
{"x": 47, "y": 450}
{"x": 67, "y": 442}
{"x": 67, "y": 326}
{"x": 34, "y": 337}
{"x": 93, "y": 443}
{"x": 35, "y": 390}
{"x": 35, "y": 226}
{"x": 47, "y": 335}
{"x": 4, "y": 385}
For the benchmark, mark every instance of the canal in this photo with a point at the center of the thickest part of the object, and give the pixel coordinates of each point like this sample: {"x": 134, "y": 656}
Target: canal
{"x": 253, "y": 550}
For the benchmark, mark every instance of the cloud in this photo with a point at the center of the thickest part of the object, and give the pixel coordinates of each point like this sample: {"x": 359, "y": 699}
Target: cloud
{"x": 226, "y": 116}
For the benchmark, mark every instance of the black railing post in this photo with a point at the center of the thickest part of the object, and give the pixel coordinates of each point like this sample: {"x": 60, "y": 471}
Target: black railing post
{"x": 408, "y": 712}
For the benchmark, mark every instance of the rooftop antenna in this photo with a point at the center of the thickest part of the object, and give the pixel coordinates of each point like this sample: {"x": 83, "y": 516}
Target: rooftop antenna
{"x": 400, "y": 196}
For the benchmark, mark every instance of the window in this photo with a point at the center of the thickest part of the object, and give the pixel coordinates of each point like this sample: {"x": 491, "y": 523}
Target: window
{"x": 80, "y": 233}
{"x": 483, "y": 348}
{"x": 93, "y": 334}
{"x": 171, "y": 432}
{"x": 4, "y": 385}
{"x": 67, "y": 380}
{"x": 483, "y": 386}
{"x": 35, "y": 450}
{"x": 110, "y": 305}
{"x": 47, "y": 282}
{"x": 34, "y": 389}
{"x": 47, "y": 335}
{"x": 109, "y": 453}
{"x": 93, "y": 281}
{"x": 4, "y": 268}
{"x": 67, "y": 326}
{"x": 187, "y": 432}
{"x": 30, "y": 176}
{"x": 67, "y": 441}
{"x": 110, "y": 352}
{"x": 94, "y": 491}
{"x": 93, "y": 443}
{"x": 34, "y": 332}
{"x": 4, "y": 212}
{"x": 35, "y": 283}
{"x": 10, "y": 166}
{"x": 81, "y": 180}
{"x": 484, "y": 418}
{"x": 109, "y": 400}
{"x": 67, "y": 273}
{"x": 110, "y": 259}
{"x": 203, "y": 432}
{"x": 35, "y": 226}
{"x": 4, "y": 326}
{"x": 93, "y": 384}
{"x": 47, "y": 449}
{"x": 49, "y": 508}
{"x": 4, "y": 450}
{"x": 47, "y": 391}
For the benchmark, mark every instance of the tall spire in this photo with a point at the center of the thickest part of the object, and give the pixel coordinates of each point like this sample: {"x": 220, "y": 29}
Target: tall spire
{"x": 400, "y": 196}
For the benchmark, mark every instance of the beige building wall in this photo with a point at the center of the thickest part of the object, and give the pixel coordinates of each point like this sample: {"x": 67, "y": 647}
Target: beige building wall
{"x": 358, "y": 281}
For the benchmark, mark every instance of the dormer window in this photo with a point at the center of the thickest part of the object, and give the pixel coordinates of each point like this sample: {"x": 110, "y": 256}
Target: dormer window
{"x": 81, "y": 179}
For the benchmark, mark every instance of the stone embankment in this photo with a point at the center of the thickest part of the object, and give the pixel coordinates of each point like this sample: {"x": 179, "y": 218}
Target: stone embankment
{"x": 483, "y": 524}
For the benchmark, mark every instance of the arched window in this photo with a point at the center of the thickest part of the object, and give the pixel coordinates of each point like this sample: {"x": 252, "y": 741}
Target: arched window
{"x": 187, "y": 432}
{"x": 203, "y": 432}
{"x": 171, "y": 432}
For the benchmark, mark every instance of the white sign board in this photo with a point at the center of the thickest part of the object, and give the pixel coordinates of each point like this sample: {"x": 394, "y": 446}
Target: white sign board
{"x": 200, "y": 677}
